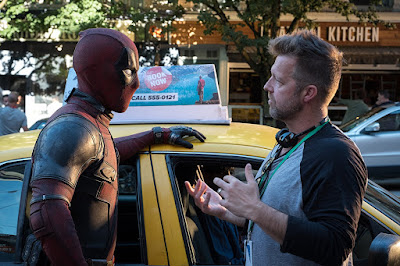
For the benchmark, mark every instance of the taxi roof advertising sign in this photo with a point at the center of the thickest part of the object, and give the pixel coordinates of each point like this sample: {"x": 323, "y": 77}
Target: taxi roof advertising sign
{"x": 176, "y": 85}
{"x": 171, "y": 94}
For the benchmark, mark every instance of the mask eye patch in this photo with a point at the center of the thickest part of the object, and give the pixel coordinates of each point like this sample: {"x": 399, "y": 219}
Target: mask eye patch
{"x": 128, "y": 72}
{"x": 127, "y": 66}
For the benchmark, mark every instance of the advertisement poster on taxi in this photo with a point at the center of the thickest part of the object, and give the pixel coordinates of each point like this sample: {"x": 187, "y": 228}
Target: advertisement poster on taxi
{"x": 176, "y": 85}
{"x": 173, "y": 94}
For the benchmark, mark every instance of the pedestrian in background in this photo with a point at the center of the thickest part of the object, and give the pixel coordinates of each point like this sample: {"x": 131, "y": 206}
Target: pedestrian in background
{"x": 5, "y": 100}
{"x": 355, "y": 107}
{"x": 11, "y": 118}
{"x": 383, "y": 99}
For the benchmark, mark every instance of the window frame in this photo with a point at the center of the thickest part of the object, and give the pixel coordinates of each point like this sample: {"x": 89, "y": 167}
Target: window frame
{"x": 135, "y": 162}
{"x": 17, "y": 238}
{"x": 199, "y": 158}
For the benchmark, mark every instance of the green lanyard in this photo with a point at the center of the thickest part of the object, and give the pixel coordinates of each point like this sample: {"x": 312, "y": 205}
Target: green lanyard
{"x": 263, "y": 186}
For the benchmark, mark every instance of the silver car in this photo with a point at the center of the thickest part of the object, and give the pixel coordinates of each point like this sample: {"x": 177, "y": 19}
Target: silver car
{"x": 377, "y": 134}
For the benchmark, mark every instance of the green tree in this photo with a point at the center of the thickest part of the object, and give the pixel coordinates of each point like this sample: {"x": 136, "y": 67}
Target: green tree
{"x": 263, "y": 19}
{"x": 66, "y": 16}
{"x": 46, "y": 67}
{"x": 71, "y": 17}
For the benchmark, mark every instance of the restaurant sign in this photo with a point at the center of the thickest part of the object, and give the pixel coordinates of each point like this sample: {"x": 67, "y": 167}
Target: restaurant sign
{"x": 351, "y": 33}
{"x": 345, "y": 33}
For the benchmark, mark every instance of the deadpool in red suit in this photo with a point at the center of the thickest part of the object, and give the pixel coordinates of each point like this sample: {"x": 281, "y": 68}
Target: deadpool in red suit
{"x": 75, "y": 160}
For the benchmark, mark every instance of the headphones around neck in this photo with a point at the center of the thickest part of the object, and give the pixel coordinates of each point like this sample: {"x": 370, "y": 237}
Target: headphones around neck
{"x": 288, "y": 139}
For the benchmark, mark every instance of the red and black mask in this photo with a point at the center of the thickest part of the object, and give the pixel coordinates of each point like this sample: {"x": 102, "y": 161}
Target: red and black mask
{"x": 106, "y": 63}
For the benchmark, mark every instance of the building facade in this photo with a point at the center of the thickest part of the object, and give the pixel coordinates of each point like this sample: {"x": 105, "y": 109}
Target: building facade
{"x": 372, "y": 55}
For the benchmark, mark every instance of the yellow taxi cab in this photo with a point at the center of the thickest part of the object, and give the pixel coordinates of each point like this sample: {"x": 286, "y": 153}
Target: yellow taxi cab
{"x": 158, "y": 223}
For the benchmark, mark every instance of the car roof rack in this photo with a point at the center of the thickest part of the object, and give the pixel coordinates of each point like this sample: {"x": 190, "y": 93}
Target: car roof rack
{"x": 171, "y": 94}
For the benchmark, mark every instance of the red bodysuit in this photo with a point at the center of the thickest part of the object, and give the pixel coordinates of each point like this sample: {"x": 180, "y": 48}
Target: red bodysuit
{"x": 75, "y": 161}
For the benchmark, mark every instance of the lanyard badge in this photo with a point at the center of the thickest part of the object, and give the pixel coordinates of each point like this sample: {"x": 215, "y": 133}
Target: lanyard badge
{"x": 248, "y": 252}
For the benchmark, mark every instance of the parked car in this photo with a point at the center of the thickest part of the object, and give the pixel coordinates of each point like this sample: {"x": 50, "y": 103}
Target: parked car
{"x": 158, "y": 222}
{"x": 39, "y": 124}
{"x": 377, "y": 134}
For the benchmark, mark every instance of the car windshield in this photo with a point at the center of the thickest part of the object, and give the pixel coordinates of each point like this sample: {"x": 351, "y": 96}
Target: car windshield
{"x": 356, "y": 121}
{"x": 383, "y": 201}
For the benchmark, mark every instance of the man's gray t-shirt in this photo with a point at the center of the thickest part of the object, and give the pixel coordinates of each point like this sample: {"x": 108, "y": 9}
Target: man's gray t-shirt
{"x": 11, "y": 120}
{"x": 320, "y": 186}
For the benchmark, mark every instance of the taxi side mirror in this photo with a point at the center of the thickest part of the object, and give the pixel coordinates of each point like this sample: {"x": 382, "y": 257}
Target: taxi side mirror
{"x": 384, "y": 250}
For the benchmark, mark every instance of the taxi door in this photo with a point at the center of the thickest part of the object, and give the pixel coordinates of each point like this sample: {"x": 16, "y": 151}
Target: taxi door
{"x": 164, "y": 240}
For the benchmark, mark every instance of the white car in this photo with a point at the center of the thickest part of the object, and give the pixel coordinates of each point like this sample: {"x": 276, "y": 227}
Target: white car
{"x": 377, "y": 134}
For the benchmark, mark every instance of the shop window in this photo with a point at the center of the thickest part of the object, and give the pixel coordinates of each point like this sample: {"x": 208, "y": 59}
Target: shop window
{"x": 246, "y": 114}
{"x": 212, "y": 53}
{"x": 188, "y": 53}
{"x": 245, "y": 97}
{"x": 244, "y": 87}
{"x": 368, "y": 85}
{"x": 357, "y": 85}
{"x": 389, "y": 83}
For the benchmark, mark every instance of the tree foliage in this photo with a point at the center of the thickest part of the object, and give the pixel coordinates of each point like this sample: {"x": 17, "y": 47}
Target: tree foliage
{"x": 71, "y": 17}
{"x": 74, "y": 16}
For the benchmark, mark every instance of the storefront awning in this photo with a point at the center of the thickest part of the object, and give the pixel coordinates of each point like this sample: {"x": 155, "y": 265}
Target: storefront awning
{"x": 372, "y": 56}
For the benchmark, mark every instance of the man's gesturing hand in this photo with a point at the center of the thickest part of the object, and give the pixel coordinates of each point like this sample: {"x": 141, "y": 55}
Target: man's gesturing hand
{"x": 238, "y": 197}
{"x": 206, "y": 199}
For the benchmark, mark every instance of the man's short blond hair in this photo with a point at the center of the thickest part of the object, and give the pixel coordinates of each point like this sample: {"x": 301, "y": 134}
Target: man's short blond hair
{"x": 318, "y": 62}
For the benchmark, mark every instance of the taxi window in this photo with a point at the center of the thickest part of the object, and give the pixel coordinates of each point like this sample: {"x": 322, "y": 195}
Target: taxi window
{"x": 368, "y": 228}
{"x": 127, "y": 179}
{"x": 129, "y": 248}
{"x": 209, "y": 239}
{"x": 11, "y": 177}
